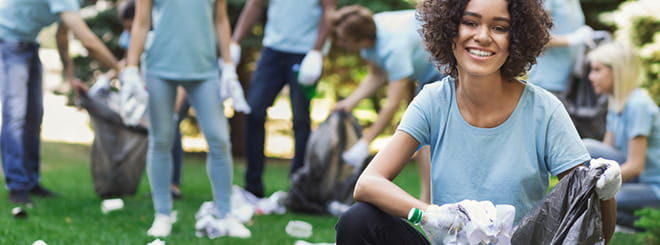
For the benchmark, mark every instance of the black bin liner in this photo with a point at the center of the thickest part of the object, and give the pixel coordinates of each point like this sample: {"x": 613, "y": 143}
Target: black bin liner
{"x": 570, "y": 214}
{"x": 586, "y": 108}
{"x": 325, "y": 177}
{"x": 118, "y": 152}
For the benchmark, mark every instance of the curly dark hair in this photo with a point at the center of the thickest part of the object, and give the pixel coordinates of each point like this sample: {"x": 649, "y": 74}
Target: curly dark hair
{"x": 530, "y": 24}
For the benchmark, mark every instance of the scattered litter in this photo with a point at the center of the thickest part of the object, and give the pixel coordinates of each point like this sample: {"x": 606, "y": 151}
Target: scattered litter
{"x": 157, "y": 242}
{"x": 273, "y": 204}
{"x": 19, "y": 213}
{"x": 109, "y": 205}
{"x": 244, "y": 205}
{"x": 39, "y": 242}
{"x": 337, "y": 208}
{"x": 298, "y": 228}
{"x": 301, "y": 242}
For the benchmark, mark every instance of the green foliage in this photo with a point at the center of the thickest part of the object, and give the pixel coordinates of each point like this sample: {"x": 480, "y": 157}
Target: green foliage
{"x": 637, "y": 24}
{"x": 649, "y": 221}
{"x": 380, "y": 6}
{"x": 107, "y": 27}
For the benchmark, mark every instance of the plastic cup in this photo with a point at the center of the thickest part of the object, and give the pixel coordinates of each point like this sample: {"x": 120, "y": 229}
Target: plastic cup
{"x": 111, "y": 205}
{"x": 298, "y": 228}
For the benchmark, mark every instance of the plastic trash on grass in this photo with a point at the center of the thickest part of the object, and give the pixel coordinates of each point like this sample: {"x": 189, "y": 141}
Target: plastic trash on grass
{"x": 157, "y": 242}
{"x": 298, "y": 228}
{"x": 113, "y": 204}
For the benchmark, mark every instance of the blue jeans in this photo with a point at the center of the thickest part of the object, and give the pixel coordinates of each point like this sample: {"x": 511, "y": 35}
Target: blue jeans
{"x": 633, "y": 194}
{"x": 22, "y": 113}
{"x": 205, "y": 98}
{"x": 274, "y": 70}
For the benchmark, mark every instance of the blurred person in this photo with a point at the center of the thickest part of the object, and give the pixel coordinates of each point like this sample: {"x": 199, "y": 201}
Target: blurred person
{"x": 21, "y": 79}
{"x": 295, "y": 32}
{"x": 633, "y": 128}
{"x": 183, "y": 53}
{"x": 126, "y": 12}
{"x": 393, "y": 48}
{"x": 493, "y": 137}
{"x": 554, "y": 66}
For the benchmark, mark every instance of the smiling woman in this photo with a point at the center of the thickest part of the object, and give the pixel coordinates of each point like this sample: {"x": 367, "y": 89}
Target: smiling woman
{"x": 492, "y": 137}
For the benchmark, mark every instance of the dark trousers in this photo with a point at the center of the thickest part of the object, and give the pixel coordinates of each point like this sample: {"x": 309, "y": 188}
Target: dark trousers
{"x": 177, "y": 147}
{"x": 364, "y": 223}
{"x": 274, "y": 70}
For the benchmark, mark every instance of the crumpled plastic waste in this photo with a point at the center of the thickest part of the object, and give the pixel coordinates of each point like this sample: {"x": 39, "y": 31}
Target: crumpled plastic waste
{"x": 298, "y": 228}
{"x": 301, "y": 242}
{"x": 337, "y": 208}
{"x": 469, "y": 222}
{"x": 272, "y": 205}
{"x": 157, "y": 242}
{"x": 244, "y": 206}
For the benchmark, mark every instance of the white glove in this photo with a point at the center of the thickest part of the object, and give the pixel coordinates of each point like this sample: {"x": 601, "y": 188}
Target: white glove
{"x": 230, "y": 87}
{"x": 310, "y": 68}
{"x": 357, "y": 154}
{"x": 133, "y": 96}
{"x": 609, "y": 182}
{"x": 444, "y": 224}
{"x": 583, "y": 35}
{"x": 235, "y": 52}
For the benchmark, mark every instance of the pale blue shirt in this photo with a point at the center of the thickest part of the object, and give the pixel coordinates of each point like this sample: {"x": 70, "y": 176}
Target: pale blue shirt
{"x": 554, "y": 66}
{"x": 399, "y": 49}
{"x": 292, "y": 25}
{"x": 22, "y": 20}
{"x": 640, "y": 117}
{"x": 184, "y": 44}
{"x": 507, "y": 164}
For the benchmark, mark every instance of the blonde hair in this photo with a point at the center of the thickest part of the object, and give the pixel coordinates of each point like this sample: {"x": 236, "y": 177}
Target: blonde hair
{"x": 626, "y": 70}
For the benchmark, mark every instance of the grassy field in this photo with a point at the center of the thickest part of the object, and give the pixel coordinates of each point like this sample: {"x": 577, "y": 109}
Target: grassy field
{"x": 75, "y": 216}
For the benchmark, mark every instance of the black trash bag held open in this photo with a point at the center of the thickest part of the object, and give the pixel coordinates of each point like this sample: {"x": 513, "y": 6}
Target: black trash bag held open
{"x": 118, "y": 152}
{"x": 325, "y": 177}
{"x": 570, "y": 214}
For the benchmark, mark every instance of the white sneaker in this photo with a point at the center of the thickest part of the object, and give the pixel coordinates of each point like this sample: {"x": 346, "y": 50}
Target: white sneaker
{"x": 230, "y": 226}
{"x": 162, "y": 225}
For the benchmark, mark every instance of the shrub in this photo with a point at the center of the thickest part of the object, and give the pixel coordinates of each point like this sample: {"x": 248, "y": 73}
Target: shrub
{"x": 650, "y": 221}
{"x": 637, "y": 24}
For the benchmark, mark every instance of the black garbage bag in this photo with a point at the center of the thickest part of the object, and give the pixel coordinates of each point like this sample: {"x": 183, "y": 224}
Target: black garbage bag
{"x": 118, "y": 152}
{"x": 325, "y": 177}
{"x": 570, "y": 214}
{"x": 586, "y": 108}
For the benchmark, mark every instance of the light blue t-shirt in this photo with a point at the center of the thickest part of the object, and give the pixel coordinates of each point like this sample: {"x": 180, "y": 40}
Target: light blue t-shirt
{"x": 507, "y": 164}
{"x": 292, "y": 25}
{"x": 184, "y": 44}
{"x": 399, "y": 48}
{"x": 554, "y": 66}
{"x": 640, "y": 117}
{"x": 22, "y": 20}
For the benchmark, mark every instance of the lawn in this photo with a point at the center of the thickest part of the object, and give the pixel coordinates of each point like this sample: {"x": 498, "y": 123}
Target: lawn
{"x": 75, "y": 216}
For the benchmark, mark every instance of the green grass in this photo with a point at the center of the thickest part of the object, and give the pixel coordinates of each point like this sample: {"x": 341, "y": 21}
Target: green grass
{"x": 75, "y": 216}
